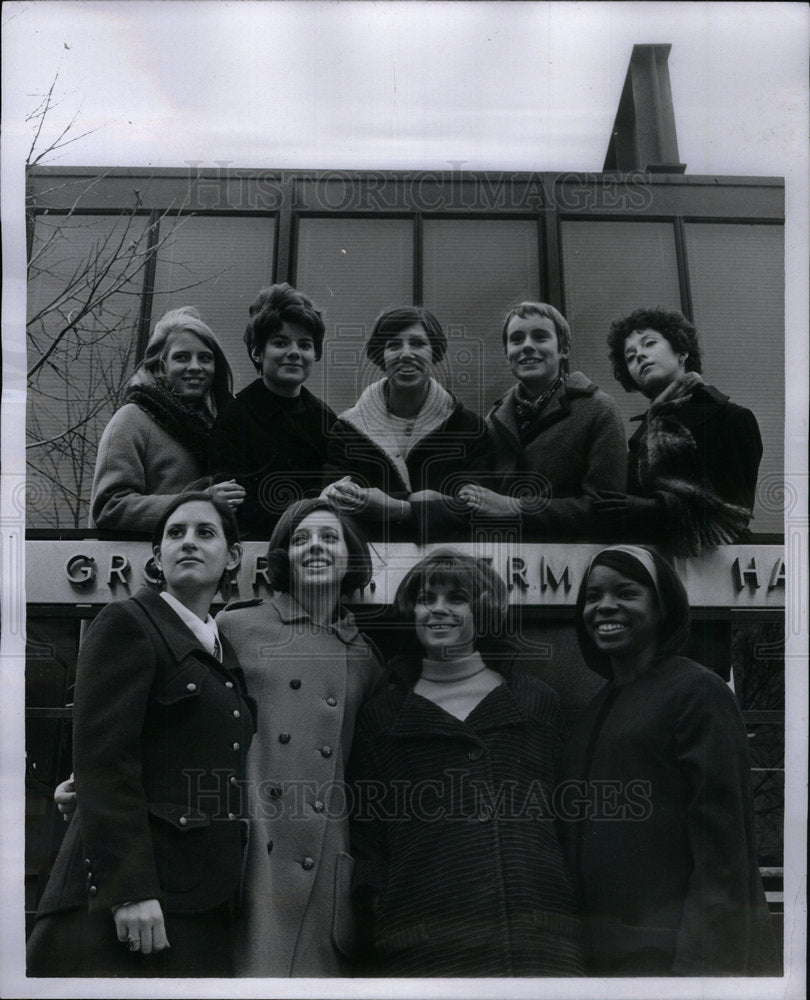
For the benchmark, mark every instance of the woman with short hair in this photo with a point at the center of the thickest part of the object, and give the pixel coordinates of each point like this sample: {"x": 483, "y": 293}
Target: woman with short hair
{"x": 156, "y": 444}
{"x": 272, "y": 438}
{"x": 400, "y": 453}
{"x": 660, "y": 831}
{"x": 694, "y": 459}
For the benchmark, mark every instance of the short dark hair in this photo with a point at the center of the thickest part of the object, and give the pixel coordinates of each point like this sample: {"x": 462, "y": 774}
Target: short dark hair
{"x": 672, "y": 325}
{"x": 455, "y": 570}
{"x": 673, "y": 604}
{"x": 271, "y": 309}
{"x": 394, "y": 321}
{"x": 359, "y": 572}
{"x": 229, "y": 526}
{"x": 561, "y": 327}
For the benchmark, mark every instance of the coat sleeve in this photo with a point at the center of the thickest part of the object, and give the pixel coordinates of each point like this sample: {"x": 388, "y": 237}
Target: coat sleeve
{"x": 725, "y": 927}
{"x": 736, "y": 444}
{"x": 120, "y": 498}
{"x": 606, "y": 470}
{"x": 225, "y": 456}
{"x": 115, "y": 673}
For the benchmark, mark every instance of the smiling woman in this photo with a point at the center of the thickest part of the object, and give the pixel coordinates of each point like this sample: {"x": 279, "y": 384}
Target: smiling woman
{"x": 156, "y": 444}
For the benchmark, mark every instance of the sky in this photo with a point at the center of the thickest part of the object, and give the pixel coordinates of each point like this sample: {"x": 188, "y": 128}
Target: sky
{"x": 387, "y": 85}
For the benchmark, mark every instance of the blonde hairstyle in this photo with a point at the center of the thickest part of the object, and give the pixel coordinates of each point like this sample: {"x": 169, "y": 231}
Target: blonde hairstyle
{"x": 152, "y": 368}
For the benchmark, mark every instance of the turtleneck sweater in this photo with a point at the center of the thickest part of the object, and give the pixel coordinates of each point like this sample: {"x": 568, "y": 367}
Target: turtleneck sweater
{"x": 457, "y": 686}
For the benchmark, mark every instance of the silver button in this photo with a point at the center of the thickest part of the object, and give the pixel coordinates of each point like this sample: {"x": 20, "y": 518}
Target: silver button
{"x": 231, "y": 815}
{"x": 183, "y": 821}
{"x": 236, "y": 713}
{"x": 326, "y": 751}
{"x": 331, "y": 701}
{"x": 236, "y": 746}
{"x": 317, "y": 805}
{"x": 233, "y": 780}
{"x": 228, "y": 684}
{"x": 308, "y": 864}
{"x": 191, "y": 686}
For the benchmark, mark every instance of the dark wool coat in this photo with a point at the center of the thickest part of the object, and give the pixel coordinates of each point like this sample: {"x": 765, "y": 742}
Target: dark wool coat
{"x": 160, "y": 729}
{"x": 725, "y": 459}
{"x": 309, "y": 682}
{"x": 458, "y": 868}
{"x": 455, "y": 453}
{"x": 274, "y": 447}
{"x": 660, "y": 834}
{"x": 575, "y": 446}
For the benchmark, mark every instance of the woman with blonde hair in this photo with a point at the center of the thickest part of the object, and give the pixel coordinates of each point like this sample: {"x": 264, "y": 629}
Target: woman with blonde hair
{"x": 156, "y": 444}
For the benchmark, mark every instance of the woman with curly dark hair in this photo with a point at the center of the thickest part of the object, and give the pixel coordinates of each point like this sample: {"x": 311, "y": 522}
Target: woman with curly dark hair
{"x": 693, "y": 462}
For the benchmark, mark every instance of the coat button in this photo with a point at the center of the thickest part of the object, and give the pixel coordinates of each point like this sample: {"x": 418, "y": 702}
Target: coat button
{"x": 317, "y": 805}
{"x": 191, "y": 686}
{"x": 475, "y": 754}
{"x": 284, "y": 737}
{"x": 231, "y": 815}
{"x": 236, "y": 713}
{"x": 269, "y": 846}
{"x": 228, "y": 684}
{"x": 326, "y": 751}
{"x": 89, "y": 876}
{"x": 308, "y": 864}
{"x": 183, "y": 821}
{"x": 331, "y": 701}
{"x": 93, "y": 891}
{"x": 275, "y": 791}
{"x": 295, "y": 684}
{"x": 236, "y": 746}
{"x": 88, "y": 864}
{"x": 233, "y": 779}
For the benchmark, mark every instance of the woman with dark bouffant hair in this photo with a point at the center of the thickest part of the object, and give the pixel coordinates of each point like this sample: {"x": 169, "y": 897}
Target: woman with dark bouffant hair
{"x": 148, "y": 876}
{"x": 156, "y": 445}
{"x": 398, "y": 456}
{"x": 310, "y": 670}
{"x": 694, "y": 459}
{"x": 459, "y": 870}
{"x": 272, "y": 438}
{"x": 662, "y": 845}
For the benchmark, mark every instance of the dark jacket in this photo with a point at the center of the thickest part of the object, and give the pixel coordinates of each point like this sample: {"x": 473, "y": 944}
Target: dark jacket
{"x": 575, "y": 446}
{"x": 725, "y": 458}
{"x": 160, "y": 728}
{"x": 455, "y": 453}
{"x": 274, "y": 447}
{"x": 456, "y": 851}
{"x": 660, "y": 833}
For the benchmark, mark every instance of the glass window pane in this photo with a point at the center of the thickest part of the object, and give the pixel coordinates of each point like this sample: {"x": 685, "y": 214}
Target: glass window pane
{"x": 474, "y": 271}
{"x": 352, "y": 269}
{"x": 217, "y": 264}
{"x": 610, "y": 269}
{"x": 736, "y": 274}
{"x": 85, "y": 281}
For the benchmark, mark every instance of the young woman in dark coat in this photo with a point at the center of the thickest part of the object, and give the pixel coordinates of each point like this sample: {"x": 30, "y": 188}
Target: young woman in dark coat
{"x": 398, "y": 456}
{"x": 659, "y": 830}
{"x": 556, "y": 437}
{"x": 458, "y": 868}
{"x": 272, "y": 439}
{"x": 147, "y": 880}
{"x": 694, "y": 459}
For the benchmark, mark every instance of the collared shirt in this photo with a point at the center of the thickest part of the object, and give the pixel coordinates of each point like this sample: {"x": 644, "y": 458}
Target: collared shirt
{"x": 206, "y": 631}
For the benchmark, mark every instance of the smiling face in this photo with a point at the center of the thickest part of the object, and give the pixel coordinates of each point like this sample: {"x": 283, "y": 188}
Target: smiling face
{"x": 287, "y": 359}
{"x": 651, "y": 361}
{"x": 533, "y": 352}
{"x": 318, "y": 554}
{"x": 621, "y": 616}
{"x": 408, "y": 359}
{"x": 194, "y": 553}
{"x": 189, "y": 366}
{"x": 444, "y": 621}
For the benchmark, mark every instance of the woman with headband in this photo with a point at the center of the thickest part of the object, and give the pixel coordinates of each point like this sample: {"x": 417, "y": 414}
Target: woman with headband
{"x": 660, "y": 833}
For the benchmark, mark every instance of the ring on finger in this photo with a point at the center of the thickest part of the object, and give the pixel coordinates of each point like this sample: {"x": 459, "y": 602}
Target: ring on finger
{"x": 133, "y": 944}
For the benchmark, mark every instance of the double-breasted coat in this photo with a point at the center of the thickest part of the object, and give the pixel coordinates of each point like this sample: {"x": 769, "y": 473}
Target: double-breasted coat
{"x": 459, "y": 871}
{"x": 161, "y": 733}
{"x": 309, "y": 682}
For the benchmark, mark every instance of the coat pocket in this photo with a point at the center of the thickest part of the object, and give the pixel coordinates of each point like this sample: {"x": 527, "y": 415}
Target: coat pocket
{"x": 344, "y": 920}
{"x": 182, "y": 685}
{"x": 181, "y": 845}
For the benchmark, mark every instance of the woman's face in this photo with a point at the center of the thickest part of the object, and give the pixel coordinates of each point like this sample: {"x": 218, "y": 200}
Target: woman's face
{"x": 408, "y": 359}
{"x": 445, "y": 624}
{"x": 621, "y": 616}
{"x": 651, "y": 361}
{"x": 318, "y": 553}
{"x": 287, "y": 359}
{"x": 194, "y": 553}
{"x": 533, "y": 351}
{"x": 189, "y": 365}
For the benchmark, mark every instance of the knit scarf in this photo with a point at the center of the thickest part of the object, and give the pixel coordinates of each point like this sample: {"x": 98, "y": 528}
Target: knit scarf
{"x": 528, "y": 410}
{"x": 669, "y": 464}
{"x": 190, "y": 427}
